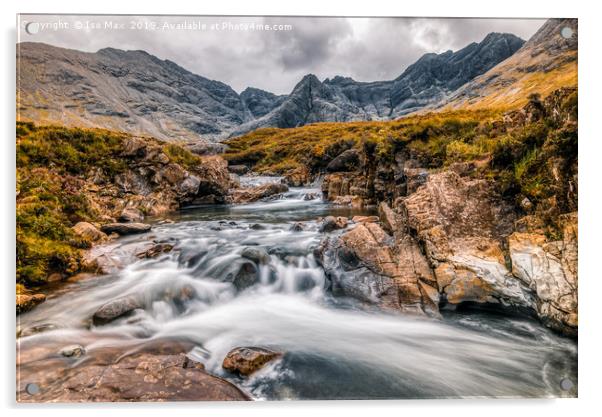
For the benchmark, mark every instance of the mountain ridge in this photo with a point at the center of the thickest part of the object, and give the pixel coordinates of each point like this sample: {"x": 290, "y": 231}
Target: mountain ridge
{"x": 137, "y": 92}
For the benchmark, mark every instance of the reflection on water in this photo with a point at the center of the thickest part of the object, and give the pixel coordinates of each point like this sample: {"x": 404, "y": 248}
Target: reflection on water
{"x": 335, "y": 348}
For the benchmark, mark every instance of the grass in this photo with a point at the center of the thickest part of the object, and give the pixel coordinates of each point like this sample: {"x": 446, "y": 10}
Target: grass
{"x": 53, "y": 164}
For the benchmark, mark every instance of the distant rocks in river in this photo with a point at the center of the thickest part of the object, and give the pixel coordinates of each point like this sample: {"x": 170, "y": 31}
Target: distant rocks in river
{"x": 125, "y": 228}
{"x": 260, "y": 192}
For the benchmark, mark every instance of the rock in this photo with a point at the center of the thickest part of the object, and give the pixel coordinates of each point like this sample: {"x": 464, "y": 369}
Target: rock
{"x": 257, "y": 226}
{"x": 550, "y": 269}
{"x": 388, "y": 218}
{"x": 248, "y": 195}
{"x": 238, "y": 169}
{"x": 311, "y": 196}
{"x": 246, "y": 276}
{"x": 73, "y": 351}
{"x": 331, "y": 223}
{"x": 89, "y": 232}
{"x": 189, "y": 187}
{"x": 297, "y": 227}
{"x": 156, "y": 250}
{"x": 298, "y": 177}
{"x": 115, "y": 309}
{"x": 346, "y": 161}
{"x": 365, "y": 263}
{"x": 257, "y": 255}
{"x": 111, "y": 375}
{"x": 131, "y": 215}
{"x": 26, "y": 302}
{"x": 349, "y": 200}
{"x": 125, "y": 228}
{"x": 364, "y": 219}
{"x": 526, "y": 204}
{"x": 247, "y": 360}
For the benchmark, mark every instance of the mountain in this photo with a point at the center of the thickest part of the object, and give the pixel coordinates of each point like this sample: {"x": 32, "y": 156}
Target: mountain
{"x": 429, "y": 80}
{"x": 136, "y": 92}
{"x": 545, "y": 63}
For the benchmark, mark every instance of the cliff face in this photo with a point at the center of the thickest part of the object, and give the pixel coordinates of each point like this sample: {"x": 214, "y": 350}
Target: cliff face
{"x": 467, "y": 235}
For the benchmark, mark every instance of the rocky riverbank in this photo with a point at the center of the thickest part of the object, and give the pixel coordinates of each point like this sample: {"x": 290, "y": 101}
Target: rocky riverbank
{"x": 77, "y": 188}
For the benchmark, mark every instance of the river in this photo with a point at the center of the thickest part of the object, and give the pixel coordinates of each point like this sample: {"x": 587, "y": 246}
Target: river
{"x": 335, "y": 348}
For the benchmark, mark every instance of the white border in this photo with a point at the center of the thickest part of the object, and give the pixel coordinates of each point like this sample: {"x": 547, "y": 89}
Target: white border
{"x": 590, "y": 124}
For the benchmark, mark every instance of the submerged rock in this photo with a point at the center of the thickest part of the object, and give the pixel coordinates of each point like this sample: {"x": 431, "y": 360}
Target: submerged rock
{"x": 246, "y": 360}
{"x": 73, "y": 351}
{"x": 115, "y": 309}
{"x": 125, "y": 228}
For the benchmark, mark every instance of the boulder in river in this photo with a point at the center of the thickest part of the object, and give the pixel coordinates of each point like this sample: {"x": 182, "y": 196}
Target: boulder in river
{"x": 125, "y": 228}
{"x": 115, "y": 309}
{"x": 330, "y": 223}
{"x": 257, "y": 255}
{"x": 247, "y": 360}
{"x": 155, "y": 250}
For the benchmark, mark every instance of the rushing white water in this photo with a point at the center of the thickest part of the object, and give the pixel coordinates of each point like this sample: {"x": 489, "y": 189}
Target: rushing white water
{"x": 334, "y": 348}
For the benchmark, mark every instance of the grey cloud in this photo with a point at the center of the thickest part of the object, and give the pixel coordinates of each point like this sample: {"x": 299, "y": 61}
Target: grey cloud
{"x": 366, "y": 49}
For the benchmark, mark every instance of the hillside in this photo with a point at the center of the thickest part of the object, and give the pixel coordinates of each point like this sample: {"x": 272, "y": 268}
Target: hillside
{"x": 545, "y": 63}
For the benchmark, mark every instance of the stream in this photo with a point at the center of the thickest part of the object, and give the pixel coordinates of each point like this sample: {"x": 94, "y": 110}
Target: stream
{"x": 335, "y": 348}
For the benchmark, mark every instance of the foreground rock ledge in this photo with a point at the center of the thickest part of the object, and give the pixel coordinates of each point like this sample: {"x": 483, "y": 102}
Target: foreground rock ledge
{"x": 143, "y": 376}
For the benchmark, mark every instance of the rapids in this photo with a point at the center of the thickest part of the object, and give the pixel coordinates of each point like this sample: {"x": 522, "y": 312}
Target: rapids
{"x": 335, "y": 348}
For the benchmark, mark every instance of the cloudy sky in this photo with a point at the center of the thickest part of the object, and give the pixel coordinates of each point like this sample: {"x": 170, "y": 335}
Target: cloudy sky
{"x": 241, "y": 52}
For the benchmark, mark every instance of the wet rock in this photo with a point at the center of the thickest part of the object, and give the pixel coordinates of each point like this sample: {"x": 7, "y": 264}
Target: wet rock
{"x": 297, "y": 227}
{"x": 346, "y": 161}
{"x": 73, "y": 351}
{"x": 549, "y": 268}
{"x": 115, "y": 309}
{"x": 156, "y": 250}
{"x": 131, "y": 215}
{"x": 257, "y": 226}
{"x": 238, "y": 169}
{"x": 297, "y": 177}
{"x": 348, "y": 200}
{"x": 257, "y": 255}
{"x": 189, "y": 186}
{"x": 330, "y": 223}
{"x": 388, "y": 218}
{"x": 125, "y": 228}
{"x": 114, "y": 375}
{"x": 26, "y": 302}
{"x": 247, "y": 360}
{"x": 261, "y": 192}
{"x": 311, "y": 196}
{"x": 89, "y": 232}
{"x": 460, "y": 223}
{"x": 247, "y": 276}
{"x": 367, "y": 264}
{"x": 364, "y": 219}
{"x": 39, "y": 328}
